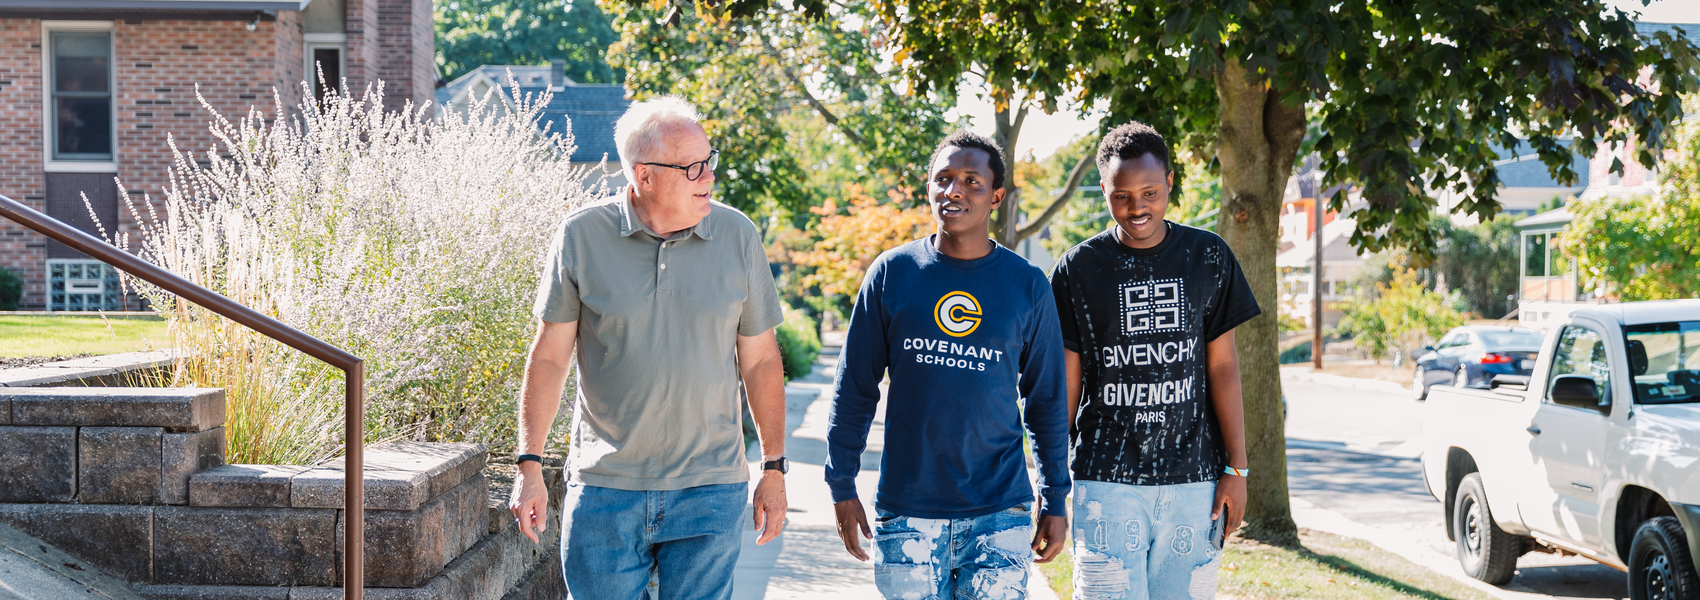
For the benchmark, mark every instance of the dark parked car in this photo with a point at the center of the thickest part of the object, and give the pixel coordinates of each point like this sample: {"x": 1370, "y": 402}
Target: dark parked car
{"x": 1471, "y": 356}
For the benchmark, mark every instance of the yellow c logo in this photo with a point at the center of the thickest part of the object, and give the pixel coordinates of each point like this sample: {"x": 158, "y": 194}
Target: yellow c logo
{"x": 957, "y": 313}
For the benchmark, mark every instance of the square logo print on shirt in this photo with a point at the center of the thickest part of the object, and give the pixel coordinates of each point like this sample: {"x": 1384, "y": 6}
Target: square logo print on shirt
{"x": 1153, "y": 306}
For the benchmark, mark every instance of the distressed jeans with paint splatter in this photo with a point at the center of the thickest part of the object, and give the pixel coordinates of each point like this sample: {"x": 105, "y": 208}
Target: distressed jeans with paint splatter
{"x": 978, "y": 558}
{"x": 615, "y": 543}
{"x": 1140, "y": 542}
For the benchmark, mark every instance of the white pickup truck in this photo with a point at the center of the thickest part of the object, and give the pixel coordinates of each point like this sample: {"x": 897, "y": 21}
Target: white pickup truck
{"x": 1597, "y": 452}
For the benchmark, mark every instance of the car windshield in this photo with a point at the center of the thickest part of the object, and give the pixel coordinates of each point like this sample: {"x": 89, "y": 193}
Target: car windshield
{"x": 1511, "y": 337}
{"x": 1664, "y": 360}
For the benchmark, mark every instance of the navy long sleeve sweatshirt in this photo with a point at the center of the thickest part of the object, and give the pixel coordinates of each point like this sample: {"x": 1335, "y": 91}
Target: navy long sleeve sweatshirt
{"x": 964, "y": 342}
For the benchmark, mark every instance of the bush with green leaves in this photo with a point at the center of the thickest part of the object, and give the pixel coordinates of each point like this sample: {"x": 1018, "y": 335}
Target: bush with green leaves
{"x": 11, "y": 289}
{"x": 799, "y": 343}
{"x": 411, "y": 242}
{"x": 1399, "y": 315}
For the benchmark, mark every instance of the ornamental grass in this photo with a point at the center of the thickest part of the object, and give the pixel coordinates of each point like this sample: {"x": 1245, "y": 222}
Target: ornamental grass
{"x": 412, "y": 239}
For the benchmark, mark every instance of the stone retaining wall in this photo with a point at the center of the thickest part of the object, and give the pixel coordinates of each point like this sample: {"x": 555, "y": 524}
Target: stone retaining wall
{"x": 133, "y": 480}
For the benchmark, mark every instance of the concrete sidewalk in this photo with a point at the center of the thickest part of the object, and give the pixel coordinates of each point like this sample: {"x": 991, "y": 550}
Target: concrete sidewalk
{"x": 809, "y": 560}
{"x": 32, "y": 570}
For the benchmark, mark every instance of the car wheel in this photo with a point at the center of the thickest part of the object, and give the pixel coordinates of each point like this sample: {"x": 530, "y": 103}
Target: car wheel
{"x": 1659, "y": 567}
{"x": 1462, "y": 377}
{"x": 1485, "y": 551}
{"x": 1419, "y": 384}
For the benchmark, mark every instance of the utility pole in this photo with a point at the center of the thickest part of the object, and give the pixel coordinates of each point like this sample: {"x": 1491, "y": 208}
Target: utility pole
{"x": 1316, "y": 271}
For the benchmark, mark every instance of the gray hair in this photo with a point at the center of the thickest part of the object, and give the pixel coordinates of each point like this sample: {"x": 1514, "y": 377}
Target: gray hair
{"x": 637, "y": 134}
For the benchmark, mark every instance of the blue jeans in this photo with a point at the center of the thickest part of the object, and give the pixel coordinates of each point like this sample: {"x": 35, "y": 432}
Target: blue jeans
{"x": 613, "y": 540}
{"x": 1134, "y": 542}
{"x": 978, "y": 558}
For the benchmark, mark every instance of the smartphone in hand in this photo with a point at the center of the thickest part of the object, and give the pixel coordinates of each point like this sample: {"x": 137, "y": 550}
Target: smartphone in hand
{"x": 1219, "y": 530}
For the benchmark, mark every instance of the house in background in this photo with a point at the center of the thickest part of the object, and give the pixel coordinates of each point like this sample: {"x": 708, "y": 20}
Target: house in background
{"x": 90, "y": 89}
{"x": 587, "y": 110}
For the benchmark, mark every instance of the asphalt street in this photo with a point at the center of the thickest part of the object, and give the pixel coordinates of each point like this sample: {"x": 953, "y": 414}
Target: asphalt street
{"x": 1350, "y": 453}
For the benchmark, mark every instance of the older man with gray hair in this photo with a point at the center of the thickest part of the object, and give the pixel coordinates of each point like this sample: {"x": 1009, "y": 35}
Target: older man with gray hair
{"x": 669, "y": 298}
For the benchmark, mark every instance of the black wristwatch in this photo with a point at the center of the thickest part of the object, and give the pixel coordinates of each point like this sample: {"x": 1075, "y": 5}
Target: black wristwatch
{"x": 781, "y": 465}
{"x": 525, "y": 457}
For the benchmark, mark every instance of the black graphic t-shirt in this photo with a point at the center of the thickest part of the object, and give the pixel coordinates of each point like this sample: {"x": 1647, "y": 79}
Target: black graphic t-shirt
{"x": 1140, "y": 320}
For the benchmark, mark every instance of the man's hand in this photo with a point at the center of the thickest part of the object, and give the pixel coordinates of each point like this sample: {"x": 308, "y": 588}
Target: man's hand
{"x": 852, "y": 518}
{"x": 768, "y": 506}
{"x": 1049, "y": 537}
{"x": 530, "y": 501}
{"x": 1230, "y": 498}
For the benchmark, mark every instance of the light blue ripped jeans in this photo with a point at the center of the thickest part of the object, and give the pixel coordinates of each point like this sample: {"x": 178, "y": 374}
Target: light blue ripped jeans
{"x": 1137, "y": 542}
{"x": 978, "y": 558}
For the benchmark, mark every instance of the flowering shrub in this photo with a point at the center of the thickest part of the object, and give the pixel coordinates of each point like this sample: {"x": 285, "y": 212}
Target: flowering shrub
{"x": 411, "y": 242}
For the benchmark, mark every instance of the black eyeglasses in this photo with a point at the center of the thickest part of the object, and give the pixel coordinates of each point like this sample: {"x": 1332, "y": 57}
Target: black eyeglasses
{"x": 694, "y": 170}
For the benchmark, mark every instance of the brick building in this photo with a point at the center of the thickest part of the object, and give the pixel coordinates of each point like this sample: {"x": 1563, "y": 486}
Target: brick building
{"x": 89, "y": 90}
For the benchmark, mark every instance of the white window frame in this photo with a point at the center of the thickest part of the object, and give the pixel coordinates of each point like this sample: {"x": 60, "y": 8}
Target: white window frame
{"x": 49, "y": 134}
{"x": 316, "y": 41}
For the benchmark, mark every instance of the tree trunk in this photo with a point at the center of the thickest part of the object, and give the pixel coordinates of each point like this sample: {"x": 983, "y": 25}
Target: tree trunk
{"x": 1259, "y": 142}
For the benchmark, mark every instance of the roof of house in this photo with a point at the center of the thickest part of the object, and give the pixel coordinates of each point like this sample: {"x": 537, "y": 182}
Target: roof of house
{"x": 1521, "y": 167}
{"x": 590, "y": 108}
{"x": 161, "y": 4}
{"x": 1552, "y": 218}
{"x": 1337, "y": 248}
{"x": 1647, "y": 29}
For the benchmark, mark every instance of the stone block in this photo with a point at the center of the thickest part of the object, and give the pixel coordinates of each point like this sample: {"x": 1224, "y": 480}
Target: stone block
{"x": 544, "y": 582}
{"x": 406, "y": 548}
{"x": 398, "y": 475}
{"x": 33, "y": 565}
{"x": 118, "y": 539}
{"x": 111, "y": 370}
{"x": 244, "y": 546}
{"x": 5, "y": 410}
{"x": 182, "y": 455}
{"x": 38, "y": 464}
{"x": 245, "y": 486}
{"x": 178, "y": 410}
{"x": 118, "y": 465}
{"x": 213, "y": 592}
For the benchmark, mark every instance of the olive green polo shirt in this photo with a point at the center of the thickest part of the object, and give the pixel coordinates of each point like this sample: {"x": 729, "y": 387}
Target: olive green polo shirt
{"x": 658, "y": 403}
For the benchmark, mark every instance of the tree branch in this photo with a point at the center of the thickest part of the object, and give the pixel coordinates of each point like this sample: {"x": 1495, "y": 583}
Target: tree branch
{"x": 797, "y": 82}
{"x": 1026, "y": 230}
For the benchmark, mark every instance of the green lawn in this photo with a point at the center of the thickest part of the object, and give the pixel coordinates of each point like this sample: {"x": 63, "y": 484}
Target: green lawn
{"x": 1326, "y": 566}
{"x": 39, "y": 336}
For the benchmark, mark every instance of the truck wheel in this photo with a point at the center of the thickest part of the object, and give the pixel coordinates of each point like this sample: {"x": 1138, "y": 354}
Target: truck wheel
{"x": 1659, "y": 566}
{"x": 1486, "y": 552}
{"x": 1419, "y": 384}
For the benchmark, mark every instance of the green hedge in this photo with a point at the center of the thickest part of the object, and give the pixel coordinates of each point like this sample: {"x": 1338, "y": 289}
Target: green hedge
{"x": 799, "y": 343}
{"x": 11, "y": 289}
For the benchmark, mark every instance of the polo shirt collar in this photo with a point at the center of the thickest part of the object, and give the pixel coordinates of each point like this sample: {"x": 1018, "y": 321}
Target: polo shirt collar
{"x": 630, "y": 223}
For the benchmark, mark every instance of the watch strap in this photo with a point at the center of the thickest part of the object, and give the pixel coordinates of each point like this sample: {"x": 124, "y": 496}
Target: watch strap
{"x": 525, "y": 457}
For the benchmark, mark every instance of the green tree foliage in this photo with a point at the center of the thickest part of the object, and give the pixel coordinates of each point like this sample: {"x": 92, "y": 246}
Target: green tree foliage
{"x": 1409, "y": 97}
{"x": 1479, "y": 262}
{"x": 798, "y": 107}
{"x": 1645, "y": 247}
{"x": 799, "y": 343}
{"x": 472, "y": 33}
{"x": 1401, "y": 315}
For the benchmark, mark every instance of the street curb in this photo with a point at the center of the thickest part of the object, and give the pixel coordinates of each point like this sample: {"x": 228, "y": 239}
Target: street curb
{"x": 1304, "y": 374}
{"x": 1336, "y": 447}
{"x": 1311, "y": 516}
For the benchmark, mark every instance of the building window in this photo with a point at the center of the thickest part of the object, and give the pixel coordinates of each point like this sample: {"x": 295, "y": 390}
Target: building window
{"x": 81, "y": 95}
{"x": 326, "y": 58}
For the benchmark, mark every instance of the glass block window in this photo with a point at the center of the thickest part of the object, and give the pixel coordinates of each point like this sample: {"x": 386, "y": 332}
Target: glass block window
{"x": 83, "y": 285}
{"x": 81, "y": 93}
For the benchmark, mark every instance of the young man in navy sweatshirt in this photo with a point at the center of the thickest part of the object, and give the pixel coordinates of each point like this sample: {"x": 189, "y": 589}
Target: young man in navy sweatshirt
{"x": 1148, "y": 311}
{"x": 967, "y": 330}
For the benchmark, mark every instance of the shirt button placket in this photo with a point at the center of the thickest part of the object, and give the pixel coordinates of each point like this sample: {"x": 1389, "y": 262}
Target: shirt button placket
{"x": 661, "y": 267}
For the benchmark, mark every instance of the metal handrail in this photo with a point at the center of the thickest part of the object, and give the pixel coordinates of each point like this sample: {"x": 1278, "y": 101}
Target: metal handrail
{"x": 354, "y": 370}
